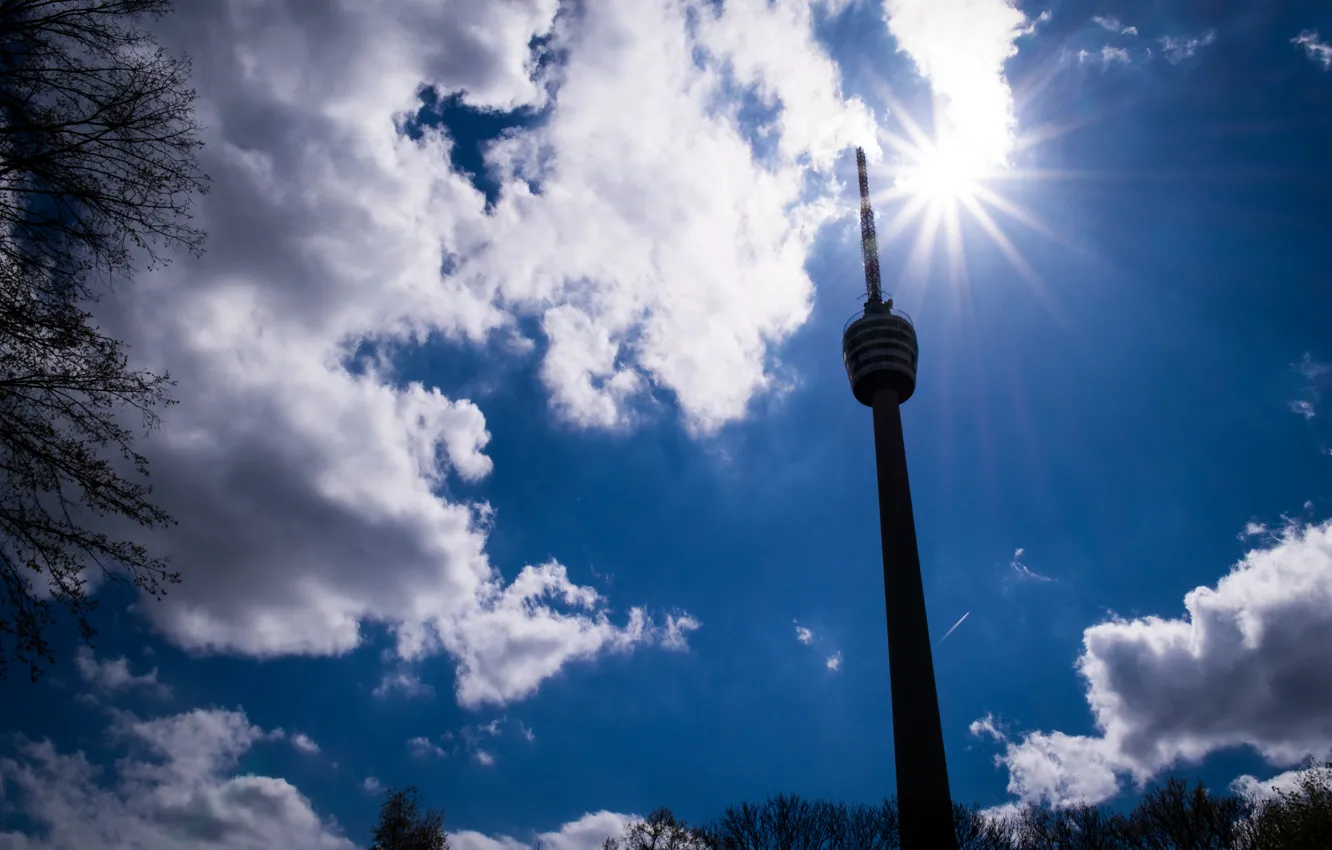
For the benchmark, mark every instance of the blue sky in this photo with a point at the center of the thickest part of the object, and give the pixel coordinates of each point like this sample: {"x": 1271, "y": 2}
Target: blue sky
{"x": 587, "y": 315}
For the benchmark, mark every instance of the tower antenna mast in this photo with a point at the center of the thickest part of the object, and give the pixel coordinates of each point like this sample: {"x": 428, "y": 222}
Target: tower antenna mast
{"x": 869, "y": 242}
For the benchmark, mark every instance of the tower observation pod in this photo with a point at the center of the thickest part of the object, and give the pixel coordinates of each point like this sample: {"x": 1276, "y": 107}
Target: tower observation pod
{"x": 880, "y": 352}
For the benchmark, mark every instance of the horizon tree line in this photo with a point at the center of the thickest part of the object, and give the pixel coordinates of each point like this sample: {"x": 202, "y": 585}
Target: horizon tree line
{"x": 1173, "y": 816}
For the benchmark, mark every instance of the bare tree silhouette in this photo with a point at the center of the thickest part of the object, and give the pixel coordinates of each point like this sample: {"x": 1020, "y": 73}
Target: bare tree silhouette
{"x": 98, "y": 166}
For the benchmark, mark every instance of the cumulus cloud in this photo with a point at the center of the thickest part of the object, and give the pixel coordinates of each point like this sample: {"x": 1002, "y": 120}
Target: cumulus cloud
{"x": 113, "y": 675}
{"x": 1287, "y": 783}
{"x": 1178, "y": 49}
{"x": 515, "y": 638}
{"x": 177, "y": 786}
{"x": 804, "y": 635}
{"x": 1244, "y": 666}
{"x": 372, "y": 785}
{"x": 834, "y": 662}
{"x": 1318, "y": 51}
{"x": 302, "y": 742}
{"x": 585, "y": 833}
{"x": 317, "y": 492}
{"x": 961, "y": 46}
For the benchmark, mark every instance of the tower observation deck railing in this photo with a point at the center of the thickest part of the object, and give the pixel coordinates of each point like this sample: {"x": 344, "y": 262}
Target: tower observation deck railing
{"x": 879, "y": 351}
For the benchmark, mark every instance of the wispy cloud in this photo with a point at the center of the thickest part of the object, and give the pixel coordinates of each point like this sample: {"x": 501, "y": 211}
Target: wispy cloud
{"x": 422, "y": 747}
{"x": 1113, "y": 24}
{"x": 1318, "y": 52}
{"x": 1311, "y": 369}
{"x": 1179, "y": 49}
{"x": 804, "y": 635}
{"x": 403, "y": 682}
{"x": 954, "y": 628}
{"x": 526, "y": 732}
{"x": 1316, "y": 376}
{"x": 675, "y": 634}
{"x": 987, "y": 726}
{"x": 1022, "y": 570}
{"x": 114, "y": 675}
{"x": 484, "y": 758}
{"x": 834, "y": 661}
{"x": 371, "y": 785}
{"x": 1105, "y": 57}
{"x": 1252, "y": 529}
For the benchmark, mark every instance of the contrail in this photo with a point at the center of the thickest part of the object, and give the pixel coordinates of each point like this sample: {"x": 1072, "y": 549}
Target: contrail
{"x": 953, "y": 629}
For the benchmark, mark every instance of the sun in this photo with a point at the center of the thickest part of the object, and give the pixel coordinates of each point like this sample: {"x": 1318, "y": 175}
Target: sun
{"x": 944, "y": 177}
{"x": 942, "y": 174}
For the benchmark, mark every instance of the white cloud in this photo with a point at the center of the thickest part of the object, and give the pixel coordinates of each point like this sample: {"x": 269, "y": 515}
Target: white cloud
{"x": 986, "y": 725}
{"x": 1178, "y": 49}
{"x": 804, "y": 635}
{"x": 961, "y": 47}
{"x": 834, "y": 662}
{"x": 402, "y": 682}
{"x": 1317, "y": 377}
{"x": 484, "y": 758}
{"x": 114, "y": 674}
{"x": 771, "y": 46}
{"x": 177, "y": 787}
{"x": 1105, "y": 57}
{"x": 515, "y": 639}
{"x": 421, "y": 747}
{"x": 314, "y": 497}
{"x": 585, "y": 833}
{"x": 676, "y": 632}
{"x": 1252, "y": 529}
{"x": 527, "y": 733}
{"x": 1021, "y": 570}
{"x": 1257, "y": 790}
{"x": 1112, "y": 55}
{"x": 1113, "y": 24}
{"x": 302, "y": 742}
{"x": 371, "y": 785}
{"x": 1318, "y": 52}
{"x": 1245, "y": 666}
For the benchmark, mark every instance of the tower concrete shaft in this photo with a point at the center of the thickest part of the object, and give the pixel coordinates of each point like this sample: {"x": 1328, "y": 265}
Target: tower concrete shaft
{"x": 880, "y": 351}
{"x": 925, "y": 805}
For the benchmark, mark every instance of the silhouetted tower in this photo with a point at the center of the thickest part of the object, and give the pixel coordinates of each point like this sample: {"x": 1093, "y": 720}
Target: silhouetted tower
{"x": 880, "y": 351}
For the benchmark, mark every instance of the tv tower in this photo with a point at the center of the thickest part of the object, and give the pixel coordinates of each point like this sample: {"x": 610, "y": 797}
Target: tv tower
{"x": 879, "y": 348}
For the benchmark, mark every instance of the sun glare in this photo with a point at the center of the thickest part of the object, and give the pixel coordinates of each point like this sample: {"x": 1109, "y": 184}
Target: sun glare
{"x": 939, "y": 179}
{"x": 942, "y": 174}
